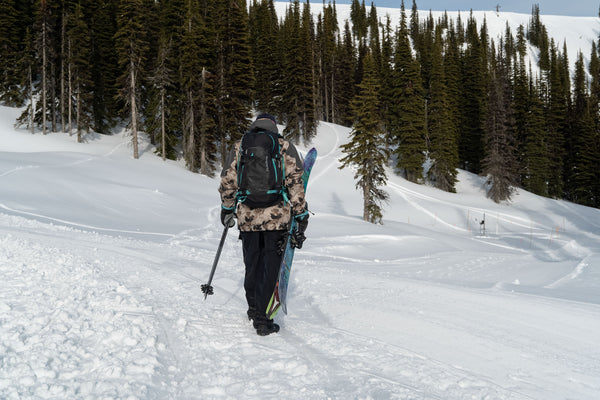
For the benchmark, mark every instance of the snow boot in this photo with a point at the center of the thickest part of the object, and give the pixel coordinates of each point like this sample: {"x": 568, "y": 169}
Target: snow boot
{"x": 264, "y": 329}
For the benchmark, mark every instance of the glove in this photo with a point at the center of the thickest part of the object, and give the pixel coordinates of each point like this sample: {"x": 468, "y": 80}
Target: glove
{"x": 297, "y": 238}
{"x": 227, "y": 217}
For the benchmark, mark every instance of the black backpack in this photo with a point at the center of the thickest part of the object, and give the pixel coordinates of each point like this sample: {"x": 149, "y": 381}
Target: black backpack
{"x": 260, "y": 169}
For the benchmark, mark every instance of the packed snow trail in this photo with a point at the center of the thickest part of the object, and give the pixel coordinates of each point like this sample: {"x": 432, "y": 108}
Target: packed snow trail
{"x": 135, "y": 322}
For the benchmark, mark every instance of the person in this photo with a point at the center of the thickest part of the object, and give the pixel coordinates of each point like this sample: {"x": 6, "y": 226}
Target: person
{"x": 263, "y": 230}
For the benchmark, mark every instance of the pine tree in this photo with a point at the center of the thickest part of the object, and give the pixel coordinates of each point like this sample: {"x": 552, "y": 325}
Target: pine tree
{"x": 521, "y": 103}
{"x": 374, "y": 37}
{"x": 132, "y": 47}
{"x": 536, "y": 157}
{"x": 105, "y": 66}
{"x": 327, "y": 62}
{"x": 557, "y": 110}
{"x": 45, "y": 53}
{"x": 307, "y": 116}
{"x": 500, "y": 162}
{"x": 365, "y": 151}
{"x": 344, "y": 79}
{"x": 171, "y": 74}
{"x": 387, "y": 66}
{"x": 443, "y": 149}
{"x": 407, "y": 115}
{"x": 10, "y": 74}
{"x": 594, "y": 70}
{"x": 160, "y": 102}
{"x": 199, "y": 142}
{"x": 474, "y": 72}
{"x": 234, "y": 71}
{"x": 582, "y": 162}
{"x": 79, "y": 77}
{"x": 299, "y": 99}
{"x": 415, "y": 25}
{"x": 452, "y": 82}
{"x": 358, "y": 18}
{"x": 264, "y": 29}
{"x": 26, "y": 63}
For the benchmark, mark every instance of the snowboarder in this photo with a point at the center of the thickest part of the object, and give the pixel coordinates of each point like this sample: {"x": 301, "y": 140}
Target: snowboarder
{"x": 263, "y": 225}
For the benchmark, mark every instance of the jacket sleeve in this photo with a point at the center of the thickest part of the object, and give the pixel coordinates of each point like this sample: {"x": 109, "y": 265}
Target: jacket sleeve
{"x": 293, "y": 180}
{"x": 228, "y": 187}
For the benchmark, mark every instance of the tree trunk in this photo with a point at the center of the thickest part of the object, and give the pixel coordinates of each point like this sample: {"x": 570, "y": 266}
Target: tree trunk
{"x": 133, "y": 110}
{"x": 162, "y": 123}
{"x": 191, "y": 144}
{"x": 78, "y": 117}
{"x": 366, "y": 201}
{"x": 32, "y": 114}
{"x": 70, "y": 101}
{"x": 44, "y": 67}
{"x": 62, "y": 74}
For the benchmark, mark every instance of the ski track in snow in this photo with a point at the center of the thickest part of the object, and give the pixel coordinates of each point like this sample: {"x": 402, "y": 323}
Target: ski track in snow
{"x": 330, "y": 158}
{"x": 176, "y": 345}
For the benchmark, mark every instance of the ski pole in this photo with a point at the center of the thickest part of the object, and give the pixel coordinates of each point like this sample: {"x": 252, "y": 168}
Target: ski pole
{"x": 207, "y": 288}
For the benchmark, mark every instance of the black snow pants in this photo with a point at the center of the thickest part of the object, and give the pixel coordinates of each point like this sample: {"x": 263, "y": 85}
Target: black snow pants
{"x": 262, "y": 257}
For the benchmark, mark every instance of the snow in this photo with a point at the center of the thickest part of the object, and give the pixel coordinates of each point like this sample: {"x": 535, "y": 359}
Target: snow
{"x": 102, "y": 258}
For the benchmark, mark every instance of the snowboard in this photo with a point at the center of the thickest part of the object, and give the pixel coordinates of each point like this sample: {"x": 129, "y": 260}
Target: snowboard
{"x": 278, "y": 299}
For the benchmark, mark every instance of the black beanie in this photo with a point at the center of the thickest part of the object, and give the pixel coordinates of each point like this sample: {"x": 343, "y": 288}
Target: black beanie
{"x": 266, "y": 116}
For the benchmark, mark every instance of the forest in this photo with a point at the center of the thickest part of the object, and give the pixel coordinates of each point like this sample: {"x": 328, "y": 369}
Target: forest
{"x": 424, "y": 96}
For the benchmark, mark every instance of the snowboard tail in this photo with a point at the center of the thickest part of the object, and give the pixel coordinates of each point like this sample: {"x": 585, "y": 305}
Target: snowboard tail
{"x": 278, "y": 299}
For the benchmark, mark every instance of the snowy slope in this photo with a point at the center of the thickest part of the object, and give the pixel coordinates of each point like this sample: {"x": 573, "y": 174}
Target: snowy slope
{"x": 102, "y": 258}
{"x": 577, "y": 32}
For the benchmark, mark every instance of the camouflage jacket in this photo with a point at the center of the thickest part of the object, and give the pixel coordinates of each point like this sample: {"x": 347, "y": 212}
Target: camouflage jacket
{"x": 273, "y": 218}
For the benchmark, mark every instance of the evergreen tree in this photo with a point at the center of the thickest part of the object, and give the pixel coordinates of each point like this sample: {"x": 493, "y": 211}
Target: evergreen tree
{"x": 500, "y": 162}
{"x": 474, "y": 72}
{"x": 131, "y": 47}
{"x": 538, "y": 36}
{"x": 44, "y": 54}
{"x": 521, "y": 43}
{"x": 358, "y": 17}
{"x": 374, "y": 38}
{"x": 452, "y": 82}
{"x": 582, "y": 161}
{"x": 105, "y": 66}
{"x": 365, "y": 151}
{"x": 199, "y": 142}
{"x": 344, "y": 78}
{"x": 10, "y": 73}
{"x": 415, "y": 24}
{"x": 594, "y": 70}
{"x": 326, "y": 63}
{"x": 536, "y": 157}
{"x": 27, "y": 63}
{"x": 443, "y": 149}
{"x": 161, "y": 102}
{"x": 266, "y": 60}
{"x": 299, "y": 96}
{"x": 235, "y": 78}
{"x": 79, "y": 76}
{"x": 521, "y": 103}
{"x": 167, "y": 76}
{"x": 407, "y": 115}
{"x": 387, "y": 66}
{"x": 557, "y": 110}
